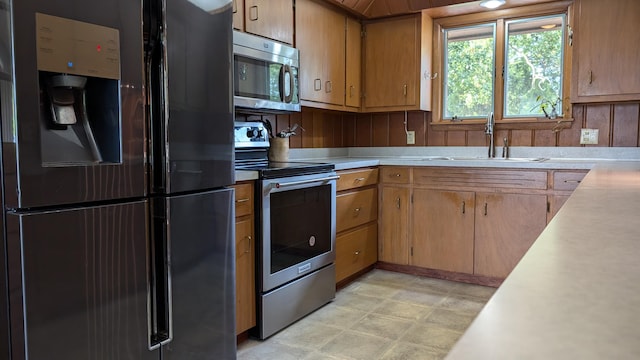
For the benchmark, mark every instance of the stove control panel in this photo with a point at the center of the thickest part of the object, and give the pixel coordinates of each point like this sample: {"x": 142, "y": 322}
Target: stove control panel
{"x": 250, "y": 135}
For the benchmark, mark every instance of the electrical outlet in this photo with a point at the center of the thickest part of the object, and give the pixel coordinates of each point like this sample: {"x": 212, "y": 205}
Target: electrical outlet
{"x": 589, "y": 136}
{"x": 411, "y": 137}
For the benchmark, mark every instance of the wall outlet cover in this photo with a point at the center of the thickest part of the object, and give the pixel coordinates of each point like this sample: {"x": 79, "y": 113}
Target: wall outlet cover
{"x": 589, "y": 136}
{"x": 411, "y": 137}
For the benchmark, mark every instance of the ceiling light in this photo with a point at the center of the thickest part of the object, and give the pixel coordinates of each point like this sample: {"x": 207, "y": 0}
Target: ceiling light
{"x": 491, "y": 4}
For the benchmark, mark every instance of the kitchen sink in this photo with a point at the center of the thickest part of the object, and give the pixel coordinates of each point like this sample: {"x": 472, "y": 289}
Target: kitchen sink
{"x": 480, "y": 158}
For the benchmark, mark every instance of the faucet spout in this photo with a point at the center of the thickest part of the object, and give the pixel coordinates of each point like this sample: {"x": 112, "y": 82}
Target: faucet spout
{"x": 488, "y": 129}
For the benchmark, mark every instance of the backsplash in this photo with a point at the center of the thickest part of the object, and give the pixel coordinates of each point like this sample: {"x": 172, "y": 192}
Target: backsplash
{"x": 618, "y": 125}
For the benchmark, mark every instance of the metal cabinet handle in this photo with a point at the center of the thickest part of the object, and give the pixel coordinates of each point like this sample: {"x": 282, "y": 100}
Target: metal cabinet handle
{"x": 328, "y": 87}
{"x": 463, "y": 207}
{"x": 404, "y": 90}
{"x": 242, "y": 200}
{"x": 590, "y": 77}
{"x": 396, "y": 175}
{"x": 398, "y": 202}
{"x": 359, "y": 179}
{"x": 317, "y": 85}
{"x": 357, "y": 211}
{"x": 573, "y": 181}
{"x": 485, "y": 209}
{"x": 253, "y": 13}
{"x": 357, "y": 252}
{"x": 292, "y": 183}
{"x": 351, "y": 88}
{"x": 248, "y": 248}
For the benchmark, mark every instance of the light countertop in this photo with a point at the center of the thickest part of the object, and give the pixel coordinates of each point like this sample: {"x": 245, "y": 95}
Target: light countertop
{"x": 576, "y": 292}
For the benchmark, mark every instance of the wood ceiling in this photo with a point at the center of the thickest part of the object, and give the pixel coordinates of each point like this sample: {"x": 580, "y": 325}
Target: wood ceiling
{"x": 370, "y": 9}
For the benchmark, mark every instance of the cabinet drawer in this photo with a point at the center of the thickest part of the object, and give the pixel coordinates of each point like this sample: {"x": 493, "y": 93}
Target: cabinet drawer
{"x": 244, "y": 199}
{"x": 567, "y": 180}
{"x": 355, "y": 250}
{"x": 356, "y": 179}
{"x": 356, "y": 208}
{"x": 395, "y": 175}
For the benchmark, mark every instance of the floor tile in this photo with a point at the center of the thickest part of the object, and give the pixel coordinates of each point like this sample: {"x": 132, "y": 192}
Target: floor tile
{"x": 383, "y": 326}
{"x": 468, "y": 304}
{"x": 376, "y": 290}
{"x": 336, "y": 316}
{"x": 307, "y": 334}
{"x": 438, "y": 338}
{"x": 420, "y": 296}
{"x": 407, "y": 351}
{"x": 273, "y": 350}
{"x": 403, "y": 310}
{"x": 356, "y": 301}
{"x": 453, "y": 320}
{"x": 438, "y": 285}
{"x": 483, "y": 292}
{"x": 353, "y": 345}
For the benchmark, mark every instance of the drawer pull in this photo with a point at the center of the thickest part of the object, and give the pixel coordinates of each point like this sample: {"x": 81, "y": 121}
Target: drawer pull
{"x": 248, "y": 248}
{"x": 398, "y": 202}
{"x": 359, "y": 179}
{"x": 242, "y": 200}
{"x": 357, "y": 210}
{"x": 485, "y": 209}
{"x": 396, "y": 175}
{"x": 572, "y": 181}
{"x": 357, "y": 252}
{"x": 463, "y": 207}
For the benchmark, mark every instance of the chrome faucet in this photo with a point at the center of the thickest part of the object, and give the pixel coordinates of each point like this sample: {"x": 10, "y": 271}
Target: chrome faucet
{"x": 488, "y": 129}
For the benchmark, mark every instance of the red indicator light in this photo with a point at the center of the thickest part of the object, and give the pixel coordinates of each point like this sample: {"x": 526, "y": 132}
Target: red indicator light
{"x": 98, "y": 48}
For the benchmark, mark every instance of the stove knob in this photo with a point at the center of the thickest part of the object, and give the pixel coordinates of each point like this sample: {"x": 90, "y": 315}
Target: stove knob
{"x": 260, "y": 135}
{"x": 252, "y": 133}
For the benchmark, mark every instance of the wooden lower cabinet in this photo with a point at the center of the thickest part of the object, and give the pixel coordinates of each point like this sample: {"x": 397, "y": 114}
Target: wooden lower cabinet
{"x": 506, "y": 225}
{"x": 443, "y": 230}
{"x": 356, "y": 250}
{"x": 394, "y": 225}
{"x": 245, "y": 259}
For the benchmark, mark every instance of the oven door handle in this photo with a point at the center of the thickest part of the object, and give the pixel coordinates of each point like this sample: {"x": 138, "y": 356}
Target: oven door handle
{"x": 294, "y": 183}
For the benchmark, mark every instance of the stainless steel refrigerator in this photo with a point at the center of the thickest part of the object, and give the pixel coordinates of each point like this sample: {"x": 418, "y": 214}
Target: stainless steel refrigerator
{"x": 118, "y": 240}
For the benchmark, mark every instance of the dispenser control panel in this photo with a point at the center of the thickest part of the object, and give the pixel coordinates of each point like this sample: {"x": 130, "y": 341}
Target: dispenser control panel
{"x": 79, "y": 48}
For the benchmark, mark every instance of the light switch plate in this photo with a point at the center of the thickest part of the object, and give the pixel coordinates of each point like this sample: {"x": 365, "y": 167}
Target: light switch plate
{"x": 411, "y": 137}
{"x": 589, "y": 136}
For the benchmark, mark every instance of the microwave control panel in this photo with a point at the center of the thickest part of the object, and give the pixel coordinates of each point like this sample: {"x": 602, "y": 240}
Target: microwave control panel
{"x": 250, "y": 135}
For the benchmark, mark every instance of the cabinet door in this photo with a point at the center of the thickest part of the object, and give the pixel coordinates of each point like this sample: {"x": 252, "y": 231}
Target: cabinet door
{"x": 394, "y": 225}
{"x": 443, "y": 232}
{"x": 270, "y": 18}
{"x": 607, "y": 54}
{"x": 320, "y": 37}
{"x": 555, "y": 203}
{"x": 353, "y": 61}
{"x": 245, "y": 276}
{"x": 391, "y": 62}
{"x": 238, "y": 14}
{"x": 506, "y": 226}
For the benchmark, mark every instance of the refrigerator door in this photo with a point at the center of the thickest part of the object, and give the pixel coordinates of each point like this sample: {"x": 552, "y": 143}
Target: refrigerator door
{"x": 48, "y": 163}
{"x": 79, "y": 284}
{"x": 191, "y": 97}
{"x": 202, "y": 258}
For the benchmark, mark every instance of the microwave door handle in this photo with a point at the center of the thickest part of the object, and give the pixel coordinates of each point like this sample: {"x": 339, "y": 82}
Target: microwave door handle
{"x": 283, "y": 97}
{"x": 287, "y": 70}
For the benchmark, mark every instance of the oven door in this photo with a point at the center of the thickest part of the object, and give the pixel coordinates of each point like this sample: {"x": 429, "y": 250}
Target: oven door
{"x": 298, "y": 227}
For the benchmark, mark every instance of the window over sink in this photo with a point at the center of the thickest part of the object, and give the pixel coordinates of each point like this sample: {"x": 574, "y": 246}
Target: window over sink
{"x": 512, "y": 62}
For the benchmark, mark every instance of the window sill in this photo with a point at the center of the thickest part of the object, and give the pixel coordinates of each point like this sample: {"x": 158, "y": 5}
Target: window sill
{"x": 525, "y": 124}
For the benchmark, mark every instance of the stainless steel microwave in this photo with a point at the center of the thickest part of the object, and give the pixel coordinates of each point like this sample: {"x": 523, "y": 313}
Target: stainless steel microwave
{"x": 265, "y": 74}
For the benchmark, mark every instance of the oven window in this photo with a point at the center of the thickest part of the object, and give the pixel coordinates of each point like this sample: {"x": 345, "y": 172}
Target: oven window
{"x": 300, "y": 225}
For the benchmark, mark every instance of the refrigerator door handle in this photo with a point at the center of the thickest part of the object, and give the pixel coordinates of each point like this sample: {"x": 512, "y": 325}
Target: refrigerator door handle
{"x": 160, "y": 317}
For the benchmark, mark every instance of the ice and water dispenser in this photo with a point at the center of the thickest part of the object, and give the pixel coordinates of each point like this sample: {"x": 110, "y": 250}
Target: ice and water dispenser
{"x": 79, "y": 77}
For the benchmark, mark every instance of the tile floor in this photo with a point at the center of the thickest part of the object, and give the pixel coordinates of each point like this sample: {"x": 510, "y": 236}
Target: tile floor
{"x": 382, "y": 315}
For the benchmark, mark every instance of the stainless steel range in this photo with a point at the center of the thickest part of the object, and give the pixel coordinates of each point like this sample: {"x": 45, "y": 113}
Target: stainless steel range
{"x": 296, "y": 227}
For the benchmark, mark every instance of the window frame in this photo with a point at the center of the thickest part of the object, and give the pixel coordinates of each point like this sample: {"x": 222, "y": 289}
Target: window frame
{"x": 500, "y": 17}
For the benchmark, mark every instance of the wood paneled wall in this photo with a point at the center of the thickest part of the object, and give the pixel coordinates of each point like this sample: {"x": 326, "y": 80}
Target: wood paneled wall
{"x": 618, "y": 125}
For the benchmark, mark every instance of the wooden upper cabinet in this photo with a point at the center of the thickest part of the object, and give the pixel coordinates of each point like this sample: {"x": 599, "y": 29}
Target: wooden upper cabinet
{"x": 353, "y": 61}
{"x": 606, "y": 55}
{"x": 321, "y": 39}
{"x": 238, "y": 14}
{"x": 397, "y": 63}
{"x": 272, "y": 19}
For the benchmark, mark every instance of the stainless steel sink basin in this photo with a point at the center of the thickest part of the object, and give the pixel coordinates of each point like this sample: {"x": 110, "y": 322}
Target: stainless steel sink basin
{"x": 480, "y": 158}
